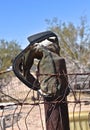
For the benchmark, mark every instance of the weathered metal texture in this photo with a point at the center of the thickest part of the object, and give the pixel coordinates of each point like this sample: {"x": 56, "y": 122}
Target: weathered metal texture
{"x": 56, "y": 109}
{"x": 56, "y": 116}
{"x": 56, "y": 113}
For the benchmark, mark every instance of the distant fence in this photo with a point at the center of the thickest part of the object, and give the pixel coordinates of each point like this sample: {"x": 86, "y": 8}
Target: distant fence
{"x": 22, "y": 109}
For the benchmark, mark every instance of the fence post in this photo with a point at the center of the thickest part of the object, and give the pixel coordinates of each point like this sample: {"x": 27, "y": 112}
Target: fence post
{"x": 3, "y": 123}
{"x": 56, "y": 114}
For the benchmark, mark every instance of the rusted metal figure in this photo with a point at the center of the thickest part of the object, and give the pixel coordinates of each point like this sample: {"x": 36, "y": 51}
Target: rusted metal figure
{"x": 55, "y": 102}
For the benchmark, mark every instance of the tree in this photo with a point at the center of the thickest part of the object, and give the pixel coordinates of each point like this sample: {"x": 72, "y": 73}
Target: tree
{"x": 74, "y": 40}
{"x": 8, "y": 51}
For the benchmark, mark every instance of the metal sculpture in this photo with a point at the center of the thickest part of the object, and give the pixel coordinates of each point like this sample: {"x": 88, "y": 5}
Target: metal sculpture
{"x": 51, "y": 80}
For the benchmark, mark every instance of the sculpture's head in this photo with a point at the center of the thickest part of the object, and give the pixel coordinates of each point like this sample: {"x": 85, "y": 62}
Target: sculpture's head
{"x": 23, "y": 62}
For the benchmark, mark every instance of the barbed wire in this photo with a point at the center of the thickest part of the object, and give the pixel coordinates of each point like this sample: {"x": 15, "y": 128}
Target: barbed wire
{"x": 27, "y": 113}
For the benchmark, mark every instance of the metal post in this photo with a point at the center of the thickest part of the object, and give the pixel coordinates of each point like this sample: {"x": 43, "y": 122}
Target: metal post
{"x": 57, "y": 113}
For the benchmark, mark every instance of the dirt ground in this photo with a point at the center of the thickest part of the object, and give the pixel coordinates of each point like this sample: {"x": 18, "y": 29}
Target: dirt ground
{"x": 27, "y": 116}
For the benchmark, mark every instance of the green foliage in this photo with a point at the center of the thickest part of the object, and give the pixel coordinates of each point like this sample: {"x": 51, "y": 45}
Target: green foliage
{"x": 74, "y": 40}
{"x": 8, "y": 51}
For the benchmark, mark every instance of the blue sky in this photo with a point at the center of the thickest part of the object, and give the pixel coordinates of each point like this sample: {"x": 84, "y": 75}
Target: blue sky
{"x": 21, "y": 18}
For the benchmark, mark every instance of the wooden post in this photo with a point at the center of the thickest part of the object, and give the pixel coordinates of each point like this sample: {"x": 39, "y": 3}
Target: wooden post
{"x": 56, "y": 114}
